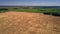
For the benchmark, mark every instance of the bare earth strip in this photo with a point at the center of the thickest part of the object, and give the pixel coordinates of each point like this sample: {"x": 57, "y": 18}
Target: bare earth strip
{"x": 28, "y": 23}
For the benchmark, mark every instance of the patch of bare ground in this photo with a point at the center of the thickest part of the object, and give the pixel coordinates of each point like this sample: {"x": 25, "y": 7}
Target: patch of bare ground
{"x": 28, "y": 23}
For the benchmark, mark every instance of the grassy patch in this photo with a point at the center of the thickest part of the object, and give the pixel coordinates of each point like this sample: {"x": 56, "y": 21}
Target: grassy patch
{"x": 48, "y": 11}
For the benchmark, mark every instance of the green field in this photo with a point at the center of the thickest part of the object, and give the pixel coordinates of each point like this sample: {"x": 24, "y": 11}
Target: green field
{"x": 54, "y": 11}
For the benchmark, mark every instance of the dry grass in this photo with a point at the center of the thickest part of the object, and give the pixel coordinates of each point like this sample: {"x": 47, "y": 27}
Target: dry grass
{"x": 28, "y": 23}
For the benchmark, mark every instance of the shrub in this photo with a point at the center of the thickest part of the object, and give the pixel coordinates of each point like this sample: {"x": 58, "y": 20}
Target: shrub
{"x": 56, "y": 14}
{"x": 3, "y": 10}
{"x": 48, "y": 13}
{"x": 42, "y": 10}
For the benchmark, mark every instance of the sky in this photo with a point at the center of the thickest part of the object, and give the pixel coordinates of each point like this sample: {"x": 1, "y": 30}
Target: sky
{"x": 29, "y": 2}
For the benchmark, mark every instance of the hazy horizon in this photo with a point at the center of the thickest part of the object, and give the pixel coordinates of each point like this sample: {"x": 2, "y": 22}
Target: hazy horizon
{"x": 29, "y": 2}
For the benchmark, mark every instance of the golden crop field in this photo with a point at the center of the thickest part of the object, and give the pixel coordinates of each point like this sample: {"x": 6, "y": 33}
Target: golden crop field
{"x": 28, "y": 23}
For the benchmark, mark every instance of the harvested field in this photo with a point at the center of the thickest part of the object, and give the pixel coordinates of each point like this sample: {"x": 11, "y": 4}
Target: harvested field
{"x": 28, "y": 23}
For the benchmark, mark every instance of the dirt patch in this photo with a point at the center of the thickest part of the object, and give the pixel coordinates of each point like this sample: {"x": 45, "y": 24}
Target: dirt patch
{"x": 28, "y": 23}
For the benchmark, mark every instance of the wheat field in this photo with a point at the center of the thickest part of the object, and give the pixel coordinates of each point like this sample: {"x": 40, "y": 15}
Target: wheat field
{"x": 28, "y": 23}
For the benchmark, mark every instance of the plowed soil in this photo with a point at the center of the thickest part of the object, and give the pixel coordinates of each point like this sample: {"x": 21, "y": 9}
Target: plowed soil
{"x": 28, "y": 23}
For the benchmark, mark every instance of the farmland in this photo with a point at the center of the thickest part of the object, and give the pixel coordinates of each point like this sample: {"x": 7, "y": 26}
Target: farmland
{"x": 29, "y": 20}
{"x": 51, "y": 10}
